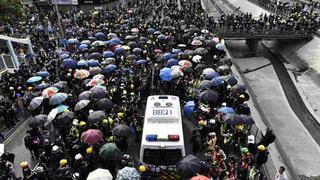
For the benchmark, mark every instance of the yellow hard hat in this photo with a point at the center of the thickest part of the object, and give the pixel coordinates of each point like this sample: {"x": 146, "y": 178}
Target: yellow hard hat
{"x": 131, "y": 86}
{"x": 142, "y": 168}
{"x": 30, "y": 88}
{"x": 24, "y": 164}
{"x": 82, "y": 123}
{"x": 89, "y": 150}
{"x": 242, "y": 96}
{"x": 239, "y": 126}
{"x": 120, "y": 115}
{"x": 66, "y": 110}
{"x": 63, "y": 162}
{"x": 110, "y": 120}
{"x": 201, "y": 122}
{"x": 104, "y": 121}
{"x": 262, "y": 147}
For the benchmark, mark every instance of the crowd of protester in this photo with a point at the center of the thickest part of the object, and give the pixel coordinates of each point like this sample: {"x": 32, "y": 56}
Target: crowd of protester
{"x": 97, "y": 82}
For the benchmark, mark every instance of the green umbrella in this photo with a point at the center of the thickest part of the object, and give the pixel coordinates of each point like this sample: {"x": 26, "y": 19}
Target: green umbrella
{"x": 109, "y": 151}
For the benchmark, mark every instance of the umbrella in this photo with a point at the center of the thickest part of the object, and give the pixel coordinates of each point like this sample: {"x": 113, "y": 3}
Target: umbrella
{"x": 87, "y": 42}
{"x": 109, "y": 69}
{"x": 134, "y": 30}
{"x": 83, "y": 46}
{"x": 92, "y": 136}
{"x": 96, "y": 116}
{"x": 36, "y": 102}
{"x": 216, "y": 40}
{"x": 185, "y": 63}
{"x": 109, "y": 151}
{"x": 34, "y": 79}
{"x": 132, "y": 57}
{"x": 59, "y": 85}
{"x": 53, "y": 113}
{"x": 36, "y": 122}
{"x": 95, "y": 55}
{"x": 58, "y": 98}
{"x": 165, "y": 74}
{"x": 41, "y": 117}
{"x": 238, "y": 89}
{"x": 104, "y": 104}
{"x": 172, "y": 62}
{"x": 81, "y": 74}
{"x": 248, "y": 120}
{"x": 204, "y": 31}
{"x": 205, "y": 84}
{"x": 81, "y": 104}
{"x": 189, "y": 166}
{"x": 109, "y": 60}
{"x": 128, "y": 173}
{"x": 233, "y": 119}
{"x": 137, "y": 50}
{"x": 157, "y": 51}
{"x": 93, "y": 63}
{"x": 126, "y": 47}
{"x": 50, "y": 91}
{"x": 42, "y": 85}
{"x": 220, "y": 47}
{"x": 82, "y": 62}
{"x": 231, "y": 80}
{"x": 151, "y": 30}
{"x": 112, "y": 35}
{"x": 121, "y": 130}
{"x": 98, "y": 76}
{"x": 208, "y": 96}
{"x": 176, "y": 51}
{"x": 73, "y": 41}
{"x": 98, "y": 43}
{"x": 43, "y": 74}
{"x": 66, "y": 117}
{"x": 176, "y": 68}
{"x": 100, "y": 174}
{"x": 217, "y": 81}
{"x": 189, "y": 108}
{"x": 209, "y": 73}
{"x": 196, "y": 43}
{"x": 166, "y": 56}
{"x": 196, "y": 58}
{"x": 95, "y": 82}
{"x": 201, "y": 51}
{"x": 119, "y": 50}
{"x": 85, "y": 95}
{"x": 226, "y": 110}
{"x": 115, "y": 41}
{"x": 140, "y": 62}
{"x": 64, "y": 56}
{"x": 223, "y": 69}
{"x": 200, "y": 177}
{"x": 176, "y": 73}
{"x": 94, "y": 70}
{"x": 69, "y": 63}
{"x": 100, "y": 35}
{"x": 107, "y": 54}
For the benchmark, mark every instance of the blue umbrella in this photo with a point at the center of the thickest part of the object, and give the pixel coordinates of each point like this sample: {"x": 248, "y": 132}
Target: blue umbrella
{"x": 220, "y": 47}
{"x": 83, "y": 46}
{"x": 95, "y": 55}
{"x": 226, "y": 110}
{"x": 107, "y": 54}
{"x": 64, "y": 56}
{"x": 165, "y": 74}
{"x": 68, "y": 32}
{"x": 119, "y": 50}
{"x": 82, "y": 62}
{"x": 166, "y": 56}
{"x": 176, "y": 51}
{"x": 172, "y": 62}
{"x": 69, "y": 63}
{"x": 109, "y": 69}
{"x": 140, "y": 62}
{"x": 205, "y": 84}
{"x": 43, "y": 74}
{"x": 151, "y": 30}
{"x": 73, "y": 41}
{"x": 34, "y": 79}
{"x": 161, "y": 37}
{"x": 91, "y": 38}
{"x": 189, "y": 108}
{"x": 217, "y": 81}
{"x": 157, "y": 33}
{"x": 211, "y": 75}
{"x": 93, "y": 63}
{"x": 115, "y": 41}
{"x": 100, "y": 35}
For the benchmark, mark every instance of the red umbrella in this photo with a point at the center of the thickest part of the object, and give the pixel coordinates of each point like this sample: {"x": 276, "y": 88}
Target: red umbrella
{"x": 200, "y": 177}
{"x": 92, "y": 136}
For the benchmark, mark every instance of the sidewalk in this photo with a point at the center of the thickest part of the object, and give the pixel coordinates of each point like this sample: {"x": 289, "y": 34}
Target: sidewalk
{"x": 294, "y": 145}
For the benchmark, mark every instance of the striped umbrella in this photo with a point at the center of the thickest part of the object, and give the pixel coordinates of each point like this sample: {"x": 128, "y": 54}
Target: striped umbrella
{"x": 81, "y": 74}
{"x": 95, "y": 82}
{"x": 50, "y": 91}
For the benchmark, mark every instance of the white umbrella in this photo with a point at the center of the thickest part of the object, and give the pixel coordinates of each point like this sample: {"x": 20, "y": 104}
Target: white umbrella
{"x": 52, "y": 114}
{"x": 100, "y": 174}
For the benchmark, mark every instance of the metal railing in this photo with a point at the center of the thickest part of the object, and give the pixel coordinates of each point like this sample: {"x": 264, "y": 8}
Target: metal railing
{"x": 7, "y": 60}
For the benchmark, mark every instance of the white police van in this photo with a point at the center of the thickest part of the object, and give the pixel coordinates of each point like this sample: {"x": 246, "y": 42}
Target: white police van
{"x": 162, "y": 139}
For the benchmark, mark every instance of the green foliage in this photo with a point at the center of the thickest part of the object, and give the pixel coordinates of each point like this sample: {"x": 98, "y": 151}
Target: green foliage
{"x": 9, "y": 9}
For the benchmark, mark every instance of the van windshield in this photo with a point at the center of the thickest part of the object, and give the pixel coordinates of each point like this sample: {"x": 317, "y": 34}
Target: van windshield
{"x": 165, "y": 157}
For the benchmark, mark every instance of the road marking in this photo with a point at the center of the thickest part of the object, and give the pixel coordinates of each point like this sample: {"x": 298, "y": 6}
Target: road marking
{"x": 16, "y": 131}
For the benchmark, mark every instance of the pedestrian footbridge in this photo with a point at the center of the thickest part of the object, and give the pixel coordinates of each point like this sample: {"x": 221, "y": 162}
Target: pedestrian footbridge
{"x": 263, "y": 36}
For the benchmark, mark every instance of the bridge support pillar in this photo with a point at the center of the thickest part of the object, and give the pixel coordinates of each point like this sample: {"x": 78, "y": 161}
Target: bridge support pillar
{"x": 253, "y": 44}
{"x": 13, "y": 54}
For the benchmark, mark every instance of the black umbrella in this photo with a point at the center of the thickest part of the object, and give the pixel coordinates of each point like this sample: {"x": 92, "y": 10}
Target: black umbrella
{"x": 85, "y": 95}
{"x": 132, "y": 57}
{"x": 239, "y": 89}
{"x": 60, "y": 84}
{"x": 231, "y": 80}
{"x": 37, "y": 121}
{"x": 96, "y": 116}
{"x": 122, "y": 130}
{"x": 201, "y": 51}
{"x": 104, "y": 104}
{"x": 98, "y": 92}
{"x": 189, "y": 166}
{"x": 208, "y": 96}
{"x": 95, "y": 55}
{"x": 66, "y": 116}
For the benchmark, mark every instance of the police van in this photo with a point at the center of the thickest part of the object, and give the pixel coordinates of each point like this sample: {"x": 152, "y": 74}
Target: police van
{"x": 162, "y": 139}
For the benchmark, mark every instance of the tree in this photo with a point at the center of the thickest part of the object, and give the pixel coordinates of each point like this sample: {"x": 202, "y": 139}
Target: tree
{"x": 10, "y": 9}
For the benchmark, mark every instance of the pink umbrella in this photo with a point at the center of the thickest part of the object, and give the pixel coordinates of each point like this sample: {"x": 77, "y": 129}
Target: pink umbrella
{"x": 92, "y": 136}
